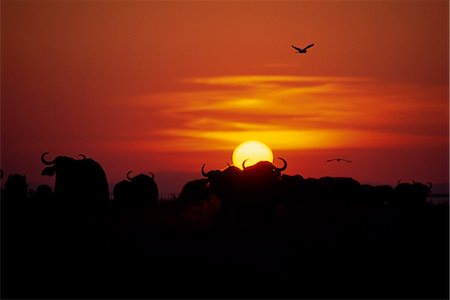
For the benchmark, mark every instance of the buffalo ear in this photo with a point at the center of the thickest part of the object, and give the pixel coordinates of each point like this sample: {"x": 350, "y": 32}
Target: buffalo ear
{"x": 49, "y": 171}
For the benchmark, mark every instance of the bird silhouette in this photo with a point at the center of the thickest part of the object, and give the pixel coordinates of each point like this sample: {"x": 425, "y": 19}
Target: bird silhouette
{"x": 300, "y": 50}
{"x": 339, "y": 159}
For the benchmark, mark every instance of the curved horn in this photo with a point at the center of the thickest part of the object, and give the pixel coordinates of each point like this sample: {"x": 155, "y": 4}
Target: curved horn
{"x": 243, "y": 164}
{"x": 284, "y": 164}
{"x": 152, "y": 176}
{"x": 203, "y": 171}
{"x": 46, "y": 162}
{"x": 82, "y": 156}
{"x": 128, "y": 175}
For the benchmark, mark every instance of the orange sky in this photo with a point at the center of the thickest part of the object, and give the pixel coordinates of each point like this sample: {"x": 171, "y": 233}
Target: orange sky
{"x": 167, "y": 86}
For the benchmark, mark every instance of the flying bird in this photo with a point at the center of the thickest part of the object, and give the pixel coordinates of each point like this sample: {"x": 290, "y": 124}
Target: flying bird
{"x": 300, "y": 50}
{"x": 339, "y": 159}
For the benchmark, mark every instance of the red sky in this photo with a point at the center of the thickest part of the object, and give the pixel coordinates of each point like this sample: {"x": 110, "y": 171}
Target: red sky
{"x": 168, "y": 86}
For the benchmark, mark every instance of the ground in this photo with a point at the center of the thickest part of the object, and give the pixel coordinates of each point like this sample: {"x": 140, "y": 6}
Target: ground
{"x": 192, "y": 251}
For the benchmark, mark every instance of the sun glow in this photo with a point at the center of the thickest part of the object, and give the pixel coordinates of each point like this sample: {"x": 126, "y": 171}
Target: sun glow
{"x": 251, "y": 152}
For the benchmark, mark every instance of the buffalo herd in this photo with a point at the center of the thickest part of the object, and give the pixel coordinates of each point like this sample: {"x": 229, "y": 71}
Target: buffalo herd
{"x": 259, "y": 189}
{"x": 241, "y": 231}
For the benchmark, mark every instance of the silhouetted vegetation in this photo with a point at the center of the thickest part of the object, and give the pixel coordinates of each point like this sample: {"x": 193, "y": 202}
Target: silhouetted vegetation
{"x": 233, "y": 233}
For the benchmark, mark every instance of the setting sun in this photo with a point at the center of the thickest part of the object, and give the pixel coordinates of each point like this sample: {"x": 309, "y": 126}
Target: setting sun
{"x": 252, "y": 152}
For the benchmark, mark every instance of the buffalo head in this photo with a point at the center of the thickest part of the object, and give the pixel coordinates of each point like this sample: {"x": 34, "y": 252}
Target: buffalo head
{"x": 265, "y": 165}
{"x": 140, "y": 190}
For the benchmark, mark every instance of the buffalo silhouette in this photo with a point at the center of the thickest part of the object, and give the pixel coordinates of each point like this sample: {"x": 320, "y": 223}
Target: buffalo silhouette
{"x": 81, "y": 181}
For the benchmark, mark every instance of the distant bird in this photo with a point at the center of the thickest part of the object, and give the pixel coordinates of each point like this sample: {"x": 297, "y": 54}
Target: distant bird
{"x": 300, "y": 50}
{"x": 339, "y": 159}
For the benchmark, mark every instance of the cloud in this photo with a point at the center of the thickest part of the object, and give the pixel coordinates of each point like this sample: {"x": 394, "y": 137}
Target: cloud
{"x": 261, "y": 81}
{"x": 294, "y": 112}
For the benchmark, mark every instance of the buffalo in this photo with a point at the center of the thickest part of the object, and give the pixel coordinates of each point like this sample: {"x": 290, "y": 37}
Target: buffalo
{"x": 262, "y": 183}
{"x": 122, "y": 191}
{"x": 43, "y": 193}
{"x": 376, "y": 195}
{"x": 16, "y": 187}
{"x": 227, "y": 185}
{"x": 195, "y": 191}
{"x": 254, "y": 191}
{"x": 339, "y": 190}
{"x": 81, "y": 181}
{"x": 140, "y": 191}
{"x": 411, "y": 194}
{"x": 315, "y": 192}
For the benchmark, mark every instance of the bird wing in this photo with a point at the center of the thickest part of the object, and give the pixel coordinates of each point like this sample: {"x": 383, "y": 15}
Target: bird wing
{"x": 296, "y": 48}
{"x": 309, "y": 46}
{"x": 343, "y": 159}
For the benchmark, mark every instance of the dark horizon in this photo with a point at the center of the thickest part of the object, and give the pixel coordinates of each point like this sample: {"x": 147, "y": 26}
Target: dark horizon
{"x": 172, "y": 182}
{"x": 246, "y": 233}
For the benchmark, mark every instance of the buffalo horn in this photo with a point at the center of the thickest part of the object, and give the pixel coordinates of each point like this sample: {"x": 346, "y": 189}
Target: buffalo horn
{"x": 243, "y": 164}
{"x": 46, "y": 162}
{"x": 284, "y": 166}
{"x": 128, "y": 175}
{"x": 203, "y": 171}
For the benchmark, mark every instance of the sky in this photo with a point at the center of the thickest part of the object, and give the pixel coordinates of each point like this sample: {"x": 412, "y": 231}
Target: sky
{"x": 165, "y": 86}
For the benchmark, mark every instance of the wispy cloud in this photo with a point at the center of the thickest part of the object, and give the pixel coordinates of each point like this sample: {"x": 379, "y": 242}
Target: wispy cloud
{"x": 261, "y": 81}
{"x": 295, "y": 112}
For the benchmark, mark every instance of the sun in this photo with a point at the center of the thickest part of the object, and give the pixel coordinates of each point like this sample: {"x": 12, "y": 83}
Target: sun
{"x": 253, "y": 152}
